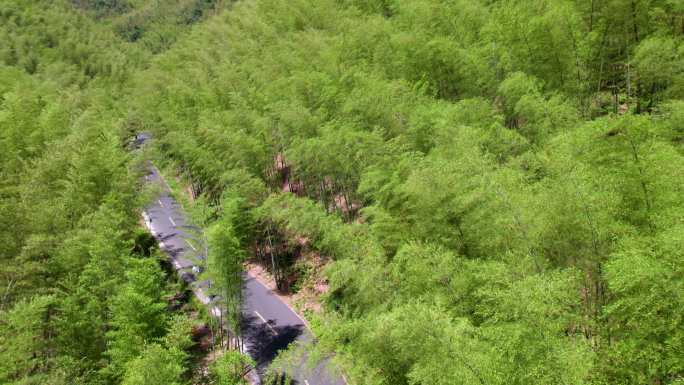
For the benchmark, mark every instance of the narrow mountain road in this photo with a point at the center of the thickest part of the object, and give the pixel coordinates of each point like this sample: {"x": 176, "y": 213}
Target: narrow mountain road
{"x": 269, "y": 325}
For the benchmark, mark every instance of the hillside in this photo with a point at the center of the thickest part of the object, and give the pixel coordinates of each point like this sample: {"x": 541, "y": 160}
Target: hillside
{"x": 455, "y": 192}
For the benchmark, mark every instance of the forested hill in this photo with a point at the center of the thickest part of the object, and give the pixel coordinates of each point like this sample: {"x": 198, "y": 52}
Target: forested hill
{"x": 82, "y": 297}
{"x": 495, "y": 188}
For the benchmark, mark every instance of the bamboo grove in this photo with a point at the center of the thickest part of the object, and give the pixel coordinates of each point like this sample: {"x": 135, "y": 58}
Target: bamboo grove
{"x": 496, "y": 188}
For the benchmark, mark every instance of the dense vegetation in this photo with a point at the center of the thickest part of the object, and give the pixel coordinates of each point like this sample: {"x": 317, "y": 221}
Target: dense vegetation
{"x": 82, "y": 298}
{"x": 497, "y": 186}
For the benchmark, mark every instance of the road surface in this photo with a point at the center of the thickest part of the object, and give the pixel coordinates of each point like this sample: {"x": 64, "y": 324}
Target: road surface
{"x": 269, "y": 325}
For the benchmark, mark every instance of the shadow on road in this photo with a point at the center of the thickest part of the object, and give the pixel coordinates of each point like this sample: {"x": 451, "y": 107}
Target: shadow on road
{"x": 264, "y": 340}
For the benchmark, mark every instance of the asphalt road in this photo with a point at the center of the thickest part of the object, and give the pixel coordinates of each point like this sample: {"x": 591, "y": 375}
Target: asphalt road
{"x": 269, "y": 325}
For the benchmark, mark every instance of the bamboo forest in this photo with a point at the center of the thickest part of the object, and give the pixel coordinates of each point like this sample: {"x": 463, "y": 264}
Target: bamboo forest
{"x": 342, "y": 192}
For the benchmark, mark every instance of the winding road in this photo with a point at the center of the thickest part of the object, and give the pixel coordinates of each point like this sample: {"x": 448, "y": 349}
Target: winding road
{"x": 269, "y": 325}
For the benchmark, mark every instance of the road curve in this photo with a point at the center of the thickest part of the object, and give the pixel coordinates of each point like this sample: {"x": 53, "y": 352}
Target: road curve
{"x": 269, "y": 325}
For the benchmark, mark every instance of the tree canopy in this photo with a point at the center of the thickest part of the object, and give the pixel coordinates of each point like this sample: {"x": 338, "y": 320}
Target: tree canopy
{"x": 495, "y": 188}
